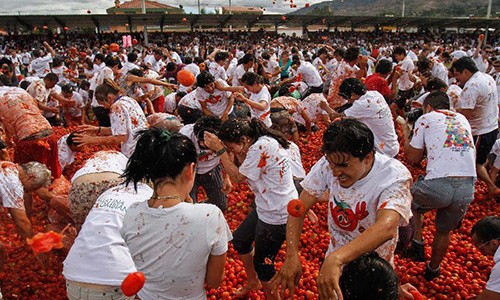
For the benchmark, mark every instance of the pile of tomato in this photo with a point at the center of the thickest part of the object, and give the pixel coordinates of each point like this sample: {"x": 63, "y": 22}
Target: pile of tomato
{"x": 464, "y": 270}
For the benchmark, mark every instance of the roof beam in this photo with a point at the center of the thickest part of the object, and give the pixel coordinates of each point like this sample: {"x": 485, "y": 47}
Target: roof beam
{"x": 25, "y": 24}
{"x": 225, "y": 20}
{"x": 58, "y": 21}
{"x": 253, "y": 22}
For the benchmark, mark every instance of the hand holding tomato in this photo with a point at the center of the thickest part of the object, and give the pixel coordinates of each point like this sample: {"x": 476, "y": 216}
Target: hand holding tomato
{"x": 288, "y": 276}
{"x": 408, "y": 291}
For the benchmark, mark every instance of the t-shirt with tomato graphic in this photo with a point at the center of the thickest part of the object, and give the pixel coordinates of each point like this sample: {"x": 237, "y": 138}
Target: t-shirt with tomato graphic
{"x": 352, "y": 210}
{"x": 269, "y": 175}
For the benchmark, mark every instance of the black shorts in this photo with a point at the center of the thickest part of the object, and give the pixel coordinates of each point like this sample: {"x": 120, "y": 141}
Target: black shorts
{"x": 484, "y": 143}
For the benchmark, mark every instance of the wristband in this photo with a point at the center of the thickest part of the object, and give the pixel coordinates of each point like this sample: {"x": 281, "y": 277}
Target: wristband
{"x": 220, "y": 152}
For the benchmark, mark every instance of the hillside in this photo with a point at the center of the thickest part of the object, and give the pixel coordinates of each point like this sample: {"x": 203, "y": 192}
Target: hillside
{"x": 420, "y": 8}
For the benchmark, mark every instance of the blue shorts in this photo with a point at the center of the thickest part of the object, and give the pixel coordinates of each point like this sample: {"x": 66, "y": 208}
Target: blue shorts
{"x": 450, "y": 196}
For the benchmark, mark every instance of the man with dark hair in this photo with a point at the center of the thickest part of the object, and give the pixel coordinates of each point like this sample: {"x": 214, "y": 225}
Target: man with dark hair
{"x": 40, "y": 66}
{"x": 478, "y": 102}
{"x": 383, "y": 77}
{"x": 369, "y": 198}
{"x": 448, "y": 186}
{"x": 406, "y": 81}
{"x": 485, "y": 236}
{"x": 208, "y": 169}
{"x": 130, "y": 64}
{"x": 307, "y": 74}
{"x": 346, "y": 68}
{"x": 219, "y": 65}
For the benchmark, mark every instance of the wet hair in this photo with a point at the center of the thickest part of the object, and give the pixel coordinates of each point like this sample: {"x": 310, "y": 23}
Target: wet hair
{"x": 369, "y": 277}
{"x": 36, "y": 53}
{"x": 171, "y": 66}
{"x": 399, "y": 51}
{"x": 322, "y": 51}
{"x": 198, "y": 60}
{"x": 24, "y": 84}
{"x": 158, "y": 52}
{"x": 70, "y": 139}
{"x": 340, "y": 52}
{"x": 285, "y": 90}
{"x": 348, "y": 136}
{"x": 188, "y": 60}
{"x": 246, "y": 59}
{"x": 487, "y": 229}
{"x": 67, "y": 88}
{"x": 351, "y": 54}
{"x": 350, "y": 86}
{"x": 204, "y": 78}
{"x": 180, "y": 94}
{"x": 51, "y": 77}
{"x": 423, "y": 64}
{"x": 464, "y": 63}
{"x": 265, "y": 55}
{"x": 158, "y": 155}
{"x": 296, "y": 60}
{"x": 108, "y": 87}
{"x": 41, "y": 176}
{"x": 437, "y": 100}
{"x": 251, "y": 78}
{"x": 99, "y": 56}
{"x": 234, "y": 129}
{"x": 206, "y": 123}
{"x": 112, "y": 61}
{"x": 435, "y": 84}
{"x": 57, "y": 61}
{"x": 383, "y": 67}
{"x": 136, "y": 72}
{"x": 220, "y": 56}
{"x": 84, "y": 84}
{"x": 132, "y": 57}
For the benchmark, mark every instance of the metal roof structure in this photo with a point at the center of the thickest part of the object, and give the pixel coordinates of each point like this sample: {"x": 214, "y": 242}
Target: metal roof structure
{"x": 28, "y": 22}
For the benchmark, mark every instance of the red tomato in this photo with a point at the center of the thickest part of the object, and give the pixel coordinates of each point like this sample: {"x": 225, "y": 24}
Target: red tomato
{"x": 133, "y": 283}
{"x": 296, "y": 208}
{"x": 44, "y": 242}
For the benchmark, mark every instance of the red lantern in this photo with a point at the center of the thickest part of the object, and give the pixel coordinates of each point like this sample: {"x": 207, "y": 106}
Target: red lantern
{"x": 135, "y": 42}
{"x": 133, "y": 283}
{"x": 307, "y": 4}
{"x": 184, "y": 20}
{"x": 185, "y": 77}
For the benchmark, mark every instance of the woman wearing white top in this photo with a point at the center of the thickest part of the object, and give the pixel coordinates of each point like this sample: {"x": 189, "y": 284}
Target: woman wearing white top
{"x": 265, "y": 165}
{"x": 179, "y": 246}
{"x": 126, "y": 117}
{"x": 259, "y": 100}
{"x": 99, "y": 260}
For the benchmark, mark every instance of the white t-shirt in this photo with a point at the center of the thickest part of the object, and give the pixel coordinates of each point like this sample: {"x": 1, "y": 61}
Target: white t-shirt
{"x": 352, "y": 210}
{"x": 193, "y": 68}
{"x": 439, "y": 71}
{"x": 127, "y": 118}
{"x": 75, "y": 111}
{"x": 103, "y": 73}
{"x": 170, "y": 103}
{"x": 174, "y": 258}
{"x": 207, "y": 160}
{"x": 480, "y": 95}
{"x": 404, "y": 82}
{"x": 493, "y": 283}
{"x": 217, "y": 101}
{"x": 270, "y": 67}
{"x": 263, "y": 115}
{"x": 128, "y": 66}
{"x": 481, "y": 64}
{"x": 311, "y": 106}
{"x": 103, "y": 161}
{"x": 496, "y": 150}
{"x": 453, "y": 93}
{"x": 11, "y": 188}
{"x": 310, "y": 74}
{"x": 192, "y": 100}
{"x": 99, "y": 254}
{"x": 40, "y": 65}
{"x": 372, "y": 109}
{"x": 65, "y": 154}
{"x": 217, "y": 71}
{"x": 239, "y": 71}
{"x": 296, "y": 161}
{"x": 447, "y": 137}
{"x": 269, "y": 175}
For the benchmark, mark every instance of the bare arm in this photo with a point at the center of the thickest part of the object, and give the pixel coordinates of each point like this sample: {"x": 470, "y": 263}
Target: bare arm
{"x": 414, "y": 155}
{"x": 488, "y": 295}
{"x": 50, "y": 49}
{"x": 215, "y": 270}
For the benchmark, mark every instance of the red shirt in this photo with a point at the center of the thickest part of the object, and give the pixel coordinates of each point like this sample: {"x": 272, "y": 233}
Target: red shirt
{"x": 378, "y": 83}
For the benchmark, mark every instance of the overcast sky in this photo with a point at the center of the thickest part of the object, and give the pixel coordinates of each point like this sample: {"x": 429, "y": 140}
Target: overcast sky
{"x": 99, "y": 6}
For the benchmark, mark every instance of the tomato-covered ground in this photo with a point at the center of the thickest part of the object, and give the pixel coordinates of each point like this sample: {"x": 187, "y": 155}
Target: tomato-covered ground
{"x": 464, "y": 269}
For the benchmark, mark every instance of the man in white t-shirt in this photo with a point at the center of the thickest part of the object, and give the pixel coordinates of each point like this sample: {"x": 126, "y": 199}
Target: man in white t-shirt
{"x": 369, "y": 197}
{"x": 371, "y": 108}
{"x": 448, "y": 186}
{"x": 308, "y": 74}
{"x": 208, "y": 169}
{"x": 485, "y": 236}
{"x": 478, "y": 102}
{"x": 406, "y": 81}
{"x": 16, "y": 184}
{"x": 40, "y": 65}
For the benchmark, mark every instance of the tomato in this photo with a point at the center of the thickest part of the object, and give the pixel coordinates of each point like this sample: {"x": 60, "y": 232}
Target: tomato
{"x": 296, "y": 208}
{"x": 133, "y": 283}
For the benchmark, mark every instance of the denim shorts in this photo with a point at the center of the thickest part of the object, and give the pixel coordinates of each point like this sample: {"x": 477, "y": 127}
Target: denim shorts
{"x": 77, "y": 292}
{"x": 450, "y": 196}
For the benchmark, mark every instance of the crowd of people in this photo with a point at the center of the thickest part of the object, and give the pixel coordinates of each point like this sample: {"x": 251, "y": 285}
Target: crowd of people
{"x": 199, "y": 112}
